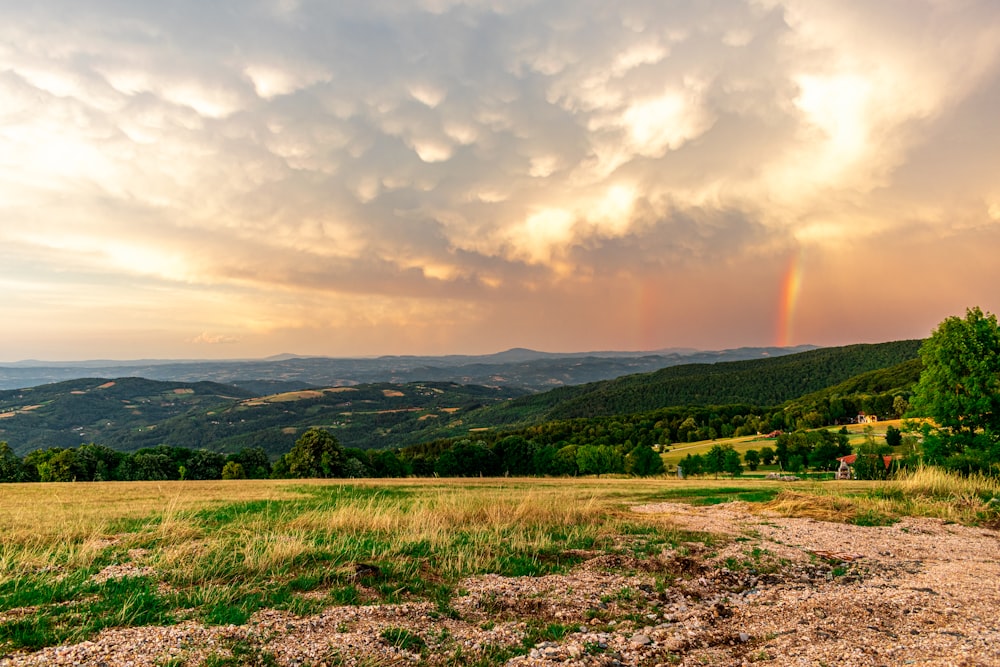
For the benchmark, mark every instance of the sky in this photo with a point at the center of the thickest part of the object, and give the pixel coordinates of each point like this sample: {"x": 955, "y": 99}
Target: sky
{"x": 242, "y": 178}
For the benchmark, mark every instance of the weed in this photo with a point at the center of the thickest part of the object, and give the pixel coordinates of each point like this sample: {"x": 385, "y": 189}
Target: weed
{"x": 348, "y": 595}
{"x": 489, "y": 655}
{"x": 626, "y": 594}
{"x": 241, "y": 654}
{"x": 404, "y": 639}
{"x": 872, "y": 518}
{"x": 536, "y": 633}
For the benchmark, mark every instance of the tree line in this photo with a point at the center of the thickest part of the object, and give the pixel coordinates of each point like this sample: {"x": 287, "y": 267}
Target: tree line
{"x": 97, "y": 463}
{"x": 318, "y": 453}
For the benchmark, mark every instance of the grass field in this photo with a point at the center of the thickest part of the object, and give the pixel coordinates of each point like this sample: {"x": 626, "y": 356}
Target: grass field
{"x": 857, "y": 434}
{"x": 77, "y": 558}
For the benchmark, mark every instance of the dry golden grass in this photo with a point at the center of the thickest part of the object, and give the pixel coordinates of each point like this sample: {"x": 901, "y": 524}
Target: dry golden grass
{"x": 811, "y": 506}
{"x": 926, "y": 491}
{"x": 39, "y": 513}
{"x": 928, "y": 481}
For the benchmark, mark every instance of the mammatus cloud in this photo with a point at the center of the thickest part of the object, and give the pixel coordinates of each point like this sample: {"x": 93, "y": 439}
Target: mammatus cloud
{"x": 466, "y": 176}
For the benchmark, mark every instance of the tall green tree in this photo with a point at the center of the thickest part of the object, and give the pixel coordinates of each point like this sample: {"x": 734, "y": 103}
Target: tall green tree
{"x": 599, "y": 460}
{"x": 643, "y": 462}
{"x": 767, "y": 455}
{"x": 719, "y": 459}
{"x": 255, "y": 462}
{"x": 691, "y": 465}
{"x": 731, "y": 462}
{"x": 871, "y": 463}
{"x": 317, "y": 453}
{"x": 10, "y": 464}
{"x": 959, "y": 389}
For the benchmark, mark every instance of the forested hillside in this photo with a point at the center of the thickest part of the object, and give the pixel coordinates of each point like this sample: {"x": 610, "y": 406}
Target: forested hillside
{"x": 885, "y": 392}
{"x": 762, "y": 382}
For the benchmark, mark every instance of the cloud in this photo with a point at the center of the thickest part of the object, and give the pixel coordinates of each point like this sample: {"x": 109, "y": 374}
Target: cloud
{"x": 206, "y": 338}
{"x": 425, "y": 157}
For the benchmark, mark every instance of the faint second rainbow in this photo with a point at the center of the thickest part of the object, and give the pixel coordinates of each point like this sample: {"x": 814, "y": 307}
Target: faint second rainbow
{"x": 790, "y": 286}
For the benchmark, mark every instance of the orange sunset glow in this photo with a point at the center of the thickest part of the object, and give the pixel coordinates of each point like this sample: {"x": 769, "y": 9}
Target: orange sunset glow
{"x": 240, "y": 179}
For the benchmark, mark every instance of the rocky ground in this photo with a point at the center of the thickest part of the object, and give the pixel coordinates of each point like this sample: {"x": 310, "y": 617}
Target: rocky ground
{"x": 775, "y": 591}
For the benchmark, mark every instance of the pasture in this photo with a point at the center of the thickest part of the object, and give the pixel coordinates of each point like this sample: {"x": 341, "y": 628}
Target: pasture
{"x": 78, "y": 558}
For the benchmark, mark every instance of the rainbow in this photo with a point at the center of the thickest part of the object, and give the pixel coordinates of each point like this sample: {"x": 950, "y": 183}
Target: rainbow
{"x": 790, "y": 286}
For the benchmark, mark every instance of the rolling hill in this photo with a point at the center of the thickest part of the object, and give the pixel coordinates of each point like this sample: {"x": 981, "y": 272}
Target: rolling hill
{"x": 761, "y": 382}
{"x": 75, "y": 412}
{"x": 131, "y": 413}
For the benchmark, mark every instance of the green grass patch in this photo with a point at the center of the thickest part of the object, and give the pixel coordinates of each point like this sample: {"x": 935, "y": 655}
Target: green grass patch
{"x": 537, "y": 632}
{"x": 81, "y": 610}
{"x": 719, "y": 495}
{"x": 404, "y": 639}
{"x": 870, "y": 517}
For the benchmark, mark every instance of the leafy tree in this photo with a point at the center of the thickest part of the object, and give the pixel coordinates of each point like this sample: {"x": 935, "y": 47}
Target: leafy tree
{"x": 893, "y": 436}
{"x": 900, "y": 405}
{"x": 387, "y": 464}
{"x": 716, "y": 459}
{"x": 752, "y": 458}
{"x": 355, "y": 469}
{"x": 280, "y": 468}
{"x": 817, "y": 448}
{"x": 543, "y": 460}
{"x": 317, "y": 453}
{"x": 824, "y": 455}
{"x": 598, "y": 460}
{"x": 10, "y": 465}
{"x": 255, "y": 462}
{"x": 515, "y": 455}
{"x": 870, "y": 463}
{"x": 959, "y": 388}
{"x": 204, "y": 464}
{"x": 466, "y": 459}
{"x": 731, "y": 462}
{"x": 564, "y": 462}
{"x": 766, "y": 455}
{"x": 233, "y": 470}
{"x": 692, "y": 465}
{"x": 61, "y": 467}
{"x": 96, "y": 463}
{"x": 643, "y": 461}
{"x": 147, "y": 465}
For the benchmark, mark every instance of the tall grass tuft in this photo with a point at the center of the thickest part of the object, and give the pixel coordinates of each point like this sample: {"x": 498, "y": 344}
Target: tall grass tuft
{"x": 939, "y": 483}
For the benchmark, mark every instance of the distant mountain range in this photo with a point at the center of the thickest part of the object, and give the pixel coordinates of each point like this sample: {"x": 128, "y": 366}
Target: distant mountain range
{"x": 518, "y": 367}
{"x": 132, "y": 413}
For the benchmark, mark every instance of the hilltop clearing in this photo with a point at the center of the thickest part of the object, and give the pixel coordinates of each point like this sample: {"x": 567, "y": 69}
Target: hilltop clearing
{"x": 519, "y": 573}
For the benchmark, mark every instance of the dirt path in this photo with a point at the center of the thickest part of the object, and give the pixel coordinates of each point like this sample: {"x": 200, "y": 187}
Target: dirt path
{"x": 919, "y": 592}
